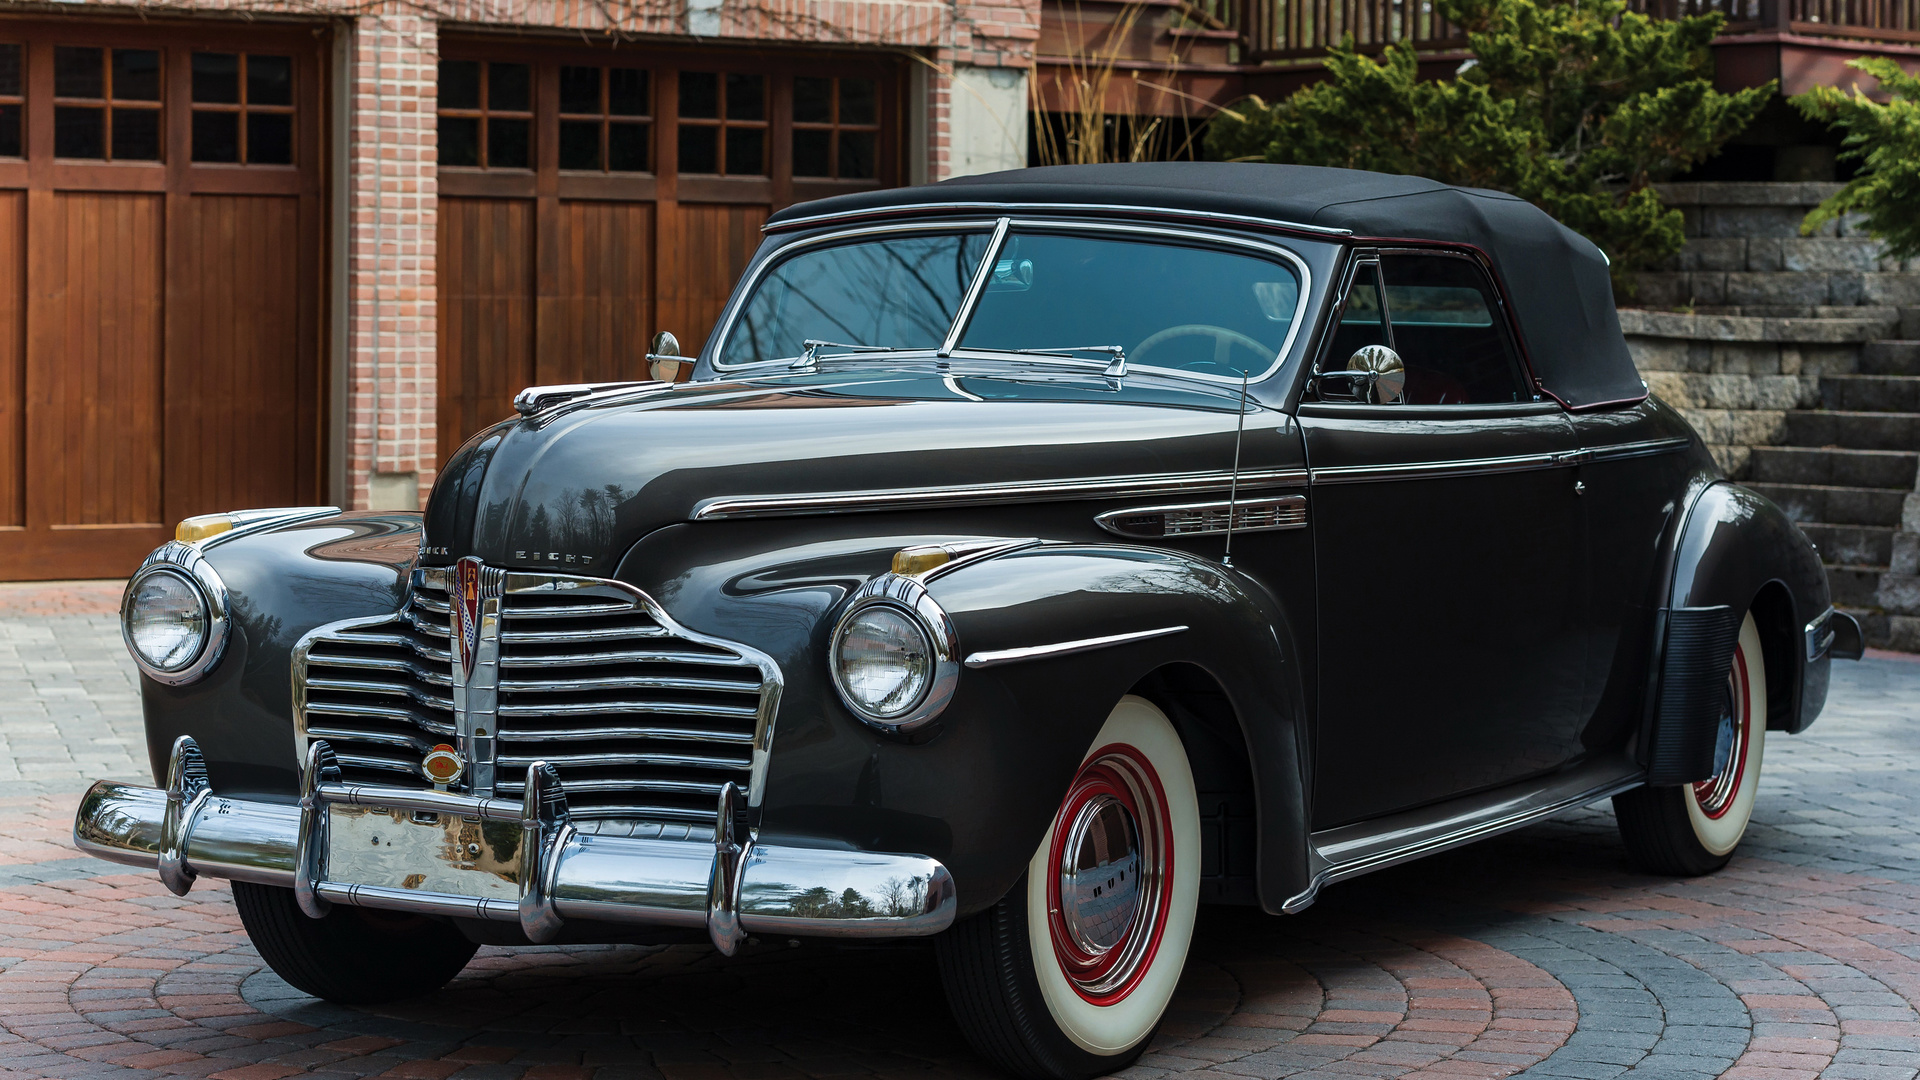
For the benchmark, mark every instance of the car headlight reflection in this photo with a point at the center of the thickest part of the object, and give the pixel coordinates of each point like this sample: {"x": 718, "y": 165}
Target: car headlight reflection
{"x": 883, "y": 661}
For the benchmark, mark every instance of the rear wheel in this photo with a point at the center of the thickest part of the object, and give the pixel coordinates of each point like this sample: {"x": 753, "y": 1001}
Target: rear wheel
{"x": 1693, "y": 828}
{"x": 1068, "y": 975}
{"x": 354, "y": 956}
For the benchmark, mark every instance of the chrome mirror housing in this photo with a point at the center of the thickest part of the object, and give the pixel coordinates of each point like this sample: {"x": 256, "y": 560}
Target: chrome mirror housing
{"x": 1388, "y": 385}
{"x": 664, "y": 361}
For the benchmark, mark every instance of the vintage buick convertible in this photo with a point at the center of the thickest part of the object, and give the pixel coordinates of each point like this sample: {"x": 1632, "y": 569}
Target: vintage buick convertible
{"x": 1026, "y": 561}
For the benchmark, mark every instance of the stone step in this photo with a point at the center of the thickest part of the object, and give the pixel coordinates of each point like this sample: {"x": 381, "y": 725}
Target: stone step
{"x": 1854, "y": 586}
{"x": 1851, "y": 545}
{"x": 1833, "y": 467}
{"x": 1837, "y": 505}
{"x": 1854, "y": 430}
{"x": 1870, "y": 393}
{"x": 1890, "y": 358}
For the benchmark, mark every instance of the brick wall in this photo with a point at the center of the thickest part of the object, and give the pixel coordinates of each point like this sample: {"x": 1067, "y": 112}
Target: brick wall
{"x": 390, "y": 424}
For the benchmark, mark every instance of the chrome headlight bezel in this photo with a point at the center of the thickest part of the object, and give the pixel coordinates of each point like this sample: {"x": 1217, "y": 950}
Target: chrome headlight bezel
{"x": 909, "y": 597}
{"x": 185, "y": 562}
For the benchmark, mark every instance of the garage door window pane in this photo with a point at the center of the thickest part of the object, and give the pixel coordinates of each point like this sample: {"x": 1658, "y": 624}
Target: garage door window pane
{"x": 580, "y": 144}
{"x": 9, "y": 70}
{"x": 699, "y": 149}
{"x": 459, "y": 84}
{"x": 79, "y": 132}
{"x": 459, "y": 140}
{"x": 216, "y": 80}
{"x": 627, "y": 147}
{"x": 580, "y": 90}
{"x": 746, "y": 151}
{"x": 216, "y": 136}
{"x": 812, "y": 100}
{"x": 269, "y": 139}
{"x": 858, "y": 102}
{"x": 812, "y": 152}
{"x": 627, "y": 92}
{"x": 78, "y": 72}
{"x": 136, "y": 75}
{"x": 856, "y": 155}
{"x": 700, "y": 95}
{"x": 507, "y": 143}
{"x": 508, "y": 88}
{"x": 269, "y": 80}
{"x": 10, "y": 102}
{"x": 136, "y": 134}
{"x": 746, "y": 97}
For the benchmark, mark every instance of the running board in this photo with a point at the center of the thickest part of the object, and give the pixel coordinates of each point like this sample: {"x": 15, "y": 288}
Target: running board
{"x": 1351, "y": 850}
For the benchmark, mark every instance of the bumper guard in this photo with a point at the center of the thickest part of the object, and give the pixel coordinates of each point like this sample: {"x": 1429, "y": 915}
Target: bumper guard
{"x": 553, "y": 871}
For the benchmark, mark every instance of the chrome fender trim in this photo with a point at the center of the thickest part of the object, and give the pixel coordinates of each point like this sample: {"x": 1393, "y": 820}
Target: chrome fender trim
{"x": 188, "y": 831}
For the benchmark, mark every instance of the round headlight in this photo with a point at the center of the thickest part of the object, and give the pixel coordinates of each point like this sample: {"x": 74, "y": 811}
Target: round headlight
{"x": 166, "y": 621}
{"x": 883, "y": 661}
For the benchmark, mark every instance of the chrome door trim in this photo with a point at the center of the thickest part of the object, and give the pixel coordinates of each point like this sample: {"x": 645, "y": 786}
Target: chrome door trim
{"x": 1055, "y": 208}
{"x": 1644, "y": 448}
{"x": 725, "y": 507}
{"x": 996, "y": 657}
{"x": 1360, "y": 848}
{"x": 1435, "y": 470}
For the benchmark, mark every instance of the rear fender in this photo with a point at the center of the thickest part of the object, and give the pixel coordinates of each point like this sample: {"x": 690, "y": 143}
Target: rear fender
{"x": 1740, "y": 552}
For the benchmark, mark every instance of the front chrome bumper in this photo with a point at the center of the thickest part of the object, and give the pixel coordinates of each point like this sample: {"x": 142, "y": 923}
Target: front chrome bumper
{"x": 547, "y": 872}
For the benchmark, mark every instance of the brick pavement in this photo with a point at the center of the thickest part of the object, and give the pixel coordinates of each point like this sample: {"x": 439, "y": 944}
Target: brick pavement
{"x": 1534, "y": 954}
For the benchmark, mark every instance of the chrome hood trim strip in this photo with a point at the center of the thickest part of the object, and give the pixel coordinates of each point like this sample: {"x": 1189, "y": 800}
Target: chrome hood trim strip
{"x": 996, "y": 657}
{"x": 726, "y": 507}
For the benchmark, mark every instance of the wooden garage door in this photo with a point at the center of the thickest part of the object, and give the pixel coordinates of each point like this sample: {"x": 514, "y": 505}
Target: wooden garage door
{"x": 591, "y": 196}
{"x": 159, "y": 282}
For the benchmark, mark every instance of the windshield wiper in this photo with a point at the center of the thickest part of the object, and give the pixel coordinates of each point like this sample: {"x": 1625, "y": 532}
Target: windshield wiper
{"x": 1116, "y": 368}
{"x": 810, "y": 350}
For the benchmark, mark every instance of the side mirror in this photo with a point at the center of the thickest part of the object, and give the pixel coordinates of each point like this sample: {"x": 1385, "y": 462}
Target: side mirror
{"x": 664, "y": 361}
{"x": 1374, "y": 376}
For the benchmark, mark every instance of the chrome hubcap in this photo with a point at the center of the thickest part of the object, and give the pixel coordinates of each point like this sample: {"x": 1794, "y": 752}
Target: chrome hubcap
{"x": 1716, "y": 793}
{"x": 1112, "y": 872}
{"x": 1100, "y": 875}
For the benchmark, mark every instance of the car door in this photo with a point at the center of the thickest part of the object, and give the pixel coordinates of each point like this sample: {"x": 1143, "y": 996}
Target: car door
{"x": 1449, "y": 549}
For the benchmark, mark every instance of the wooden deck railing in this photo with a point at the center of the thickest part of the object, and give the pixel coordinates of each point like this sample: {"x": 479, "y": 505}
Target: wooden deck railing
{"x": 1304, "y": 29}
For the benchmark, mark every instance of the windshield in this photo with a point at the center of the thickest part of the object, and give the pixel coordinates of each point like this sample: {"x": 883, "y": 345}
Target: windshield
{"x": 1197, "y": 309}
{"x": 1166, "y": 304}
{"x": 901, "y": 292}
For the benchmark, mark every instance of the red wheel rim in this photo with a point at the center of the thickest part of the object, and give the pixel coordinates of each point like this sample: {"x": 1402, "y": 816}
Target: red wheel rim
{"x": 1111, "y": 878}
{"x": 1716, "y": 794}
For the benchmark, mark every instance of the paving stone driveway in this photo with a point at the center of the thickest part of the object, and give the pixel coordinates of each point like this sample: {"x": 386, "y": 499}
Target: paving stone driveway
{"x": 1536, "y": 953}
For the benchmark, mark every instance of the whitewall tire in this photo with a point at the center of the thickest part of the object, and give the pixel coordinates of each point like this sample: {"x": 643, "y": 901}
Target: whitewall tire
{"x": 1068, "y": 975}
{"x": 1694, "y": 828}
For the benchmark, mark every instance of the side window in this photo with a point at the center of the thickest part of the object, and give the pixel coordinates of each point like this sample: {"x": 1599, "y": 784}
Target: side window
{"x": 1362, "y": 321}
{"x": 1445, "y": 324}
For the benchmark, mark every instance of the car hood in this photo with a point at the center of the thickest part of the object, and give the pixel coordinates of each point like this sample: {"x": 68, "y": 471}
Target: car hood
{"x": 574, "y": 487}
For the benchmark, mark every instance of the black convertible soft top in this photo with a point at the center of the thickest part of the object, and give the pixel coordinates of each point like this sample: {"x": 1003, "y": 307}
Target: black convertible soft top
{"x": 1557, "y": 280}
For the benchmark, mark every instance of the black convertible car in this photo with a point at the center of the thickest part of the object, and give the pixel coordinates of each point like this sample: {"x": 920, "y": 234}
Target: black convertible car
{"x": 1028, "y": 560}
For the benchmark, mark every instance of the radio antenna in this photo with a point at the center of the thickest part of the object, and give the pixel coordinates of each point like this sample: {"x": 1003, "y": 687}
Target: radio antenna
{"x": 1233, "y": 485}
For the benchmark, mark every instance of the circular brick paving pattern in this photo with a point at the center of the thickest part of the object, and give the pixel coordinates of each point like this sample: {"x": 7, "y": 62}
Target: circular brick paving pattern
{"x": 1538, "y": 954}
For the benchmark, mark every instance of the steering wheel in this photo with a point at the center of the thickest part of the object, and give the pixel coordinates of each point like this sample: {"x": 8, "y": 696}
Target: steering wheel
{"x": 1223, "y": 342}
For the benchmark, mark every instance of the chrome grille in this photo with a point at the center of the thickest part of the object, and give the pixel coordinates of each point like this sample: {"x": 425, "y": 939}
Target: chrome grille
{"x": 641, "y": 718}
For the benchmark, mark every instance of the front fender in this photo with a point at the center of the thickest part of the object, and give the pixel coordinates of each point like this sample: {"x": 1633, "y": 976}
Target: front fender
{"x": 977, "y": 788}
{"x": 1740, "y": 550}
{"x": 280, "y": 584}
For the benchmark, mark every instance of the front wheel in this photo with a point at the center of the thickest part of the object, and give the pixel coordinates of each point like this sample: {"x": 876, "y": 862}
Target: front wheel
{"x": 1692, "y": 829}
{"x": 1068, "y": 975}
{"x": 354, "y": 956}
